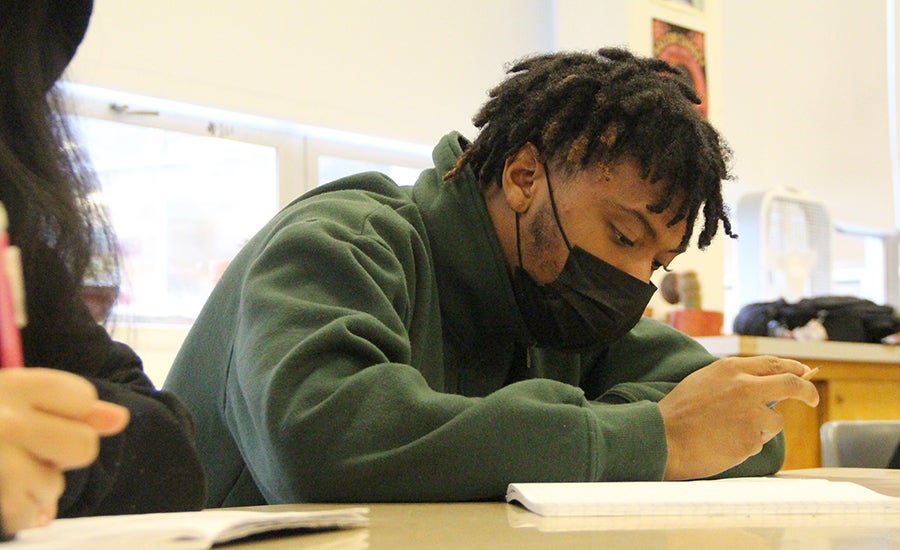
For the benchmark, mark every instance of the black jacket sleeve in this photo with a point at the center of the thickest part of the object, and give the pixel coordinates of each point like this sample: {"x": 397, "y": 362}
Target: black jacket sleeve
{"x": 152, "y": 466}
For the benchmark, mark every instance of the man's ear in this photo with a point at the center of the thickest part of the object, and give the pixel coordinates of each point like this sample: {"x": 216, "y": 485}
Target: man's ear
{"x": 520, "y": 172}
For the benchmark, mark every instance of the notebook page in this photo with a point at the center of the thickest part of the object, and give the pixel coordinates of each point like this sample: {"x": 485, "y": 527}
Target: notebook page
{"x": 706, "y": 497}
{"x": 181, "y": 530}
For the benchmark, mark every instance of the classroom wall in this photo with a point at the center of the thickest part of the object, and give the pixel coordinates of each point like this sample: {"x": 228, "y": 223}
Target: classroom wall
{"x": 402, "y": 69}
{"x": 806, "y": 102}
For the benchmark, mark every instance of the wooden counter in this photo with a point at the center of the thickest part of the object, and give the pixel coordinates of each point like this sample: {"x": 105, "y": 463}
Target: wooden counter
{"x": 856, "y": 382}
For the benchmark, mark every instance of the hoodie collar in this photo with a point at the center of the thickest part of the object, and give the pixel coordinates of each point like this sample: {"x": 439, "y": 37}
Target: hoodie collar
{"x": 472, "y": 275}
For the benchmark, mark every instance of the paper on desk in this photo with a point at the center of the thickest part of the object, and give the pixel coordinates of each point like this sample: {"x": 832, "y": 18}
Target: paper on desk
{"x": 180, "y": 530}
{"x": 707, "y": 497}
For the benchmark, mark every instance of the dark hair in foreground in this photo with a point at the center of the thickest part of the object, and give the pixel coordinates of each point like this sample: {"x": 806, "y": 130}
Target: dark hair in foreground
{"x": 44, "y": 183}
{"x": 579, "y": 109}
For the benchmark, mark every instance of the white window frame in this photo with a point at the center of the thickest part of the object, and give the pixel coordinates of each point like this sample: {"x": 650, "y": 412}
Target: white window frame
{"x": 334, "y": 144}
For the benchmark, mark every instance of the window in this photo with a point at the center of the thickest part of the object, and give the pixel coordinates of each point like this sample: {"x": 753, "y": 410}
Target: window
{"x": 335, "y": 156}
{"x": 331, "y": 168}
{"x": 182, "y": 205}
{"x": 185, "y": 187}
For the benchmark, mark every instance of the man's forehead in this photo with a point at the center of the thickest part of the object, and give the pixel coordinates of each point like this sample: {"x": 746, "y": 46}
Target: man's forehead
{"x": 623, "y": 183}
{"x": 628, "y": 177}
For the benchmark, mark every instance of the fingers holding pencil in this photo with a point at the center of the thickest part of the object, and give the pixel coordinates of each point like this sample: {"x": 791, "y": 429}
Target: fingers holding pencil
{"x": 793, "y": 384}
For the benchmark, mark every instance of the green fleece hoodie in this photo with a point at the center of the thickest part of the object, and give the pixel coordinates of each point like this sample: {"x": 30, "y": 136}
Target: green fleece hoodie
{"x": 366, "y": 346}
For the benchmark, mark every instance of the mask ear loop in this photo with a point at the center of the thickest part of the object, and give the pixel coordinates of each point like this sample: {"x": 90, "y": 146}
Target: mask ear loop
{"x": 518, "y": 242}
{"x": 555, "y": 213}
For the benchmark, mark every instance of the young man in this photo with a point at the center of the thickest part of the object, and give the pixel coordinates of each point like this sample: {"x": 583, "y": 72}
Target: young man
{"x": 379, "y": 343}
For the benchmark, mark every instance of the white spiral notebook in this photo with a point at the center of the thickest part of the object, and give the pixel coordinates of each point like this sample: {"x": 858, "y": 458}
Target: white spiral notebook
{"x": 707, "y": 497}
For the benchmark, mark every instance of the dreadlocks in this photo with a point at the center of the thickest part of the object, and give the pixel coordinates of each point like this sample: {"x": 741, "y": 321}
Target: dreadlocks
{"x": 579, "y": 109}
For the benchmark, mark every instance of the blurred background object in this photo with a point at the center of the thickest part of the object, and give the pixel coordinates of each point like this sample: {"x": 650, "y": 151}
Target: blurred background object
{"x": 684, "y": 288}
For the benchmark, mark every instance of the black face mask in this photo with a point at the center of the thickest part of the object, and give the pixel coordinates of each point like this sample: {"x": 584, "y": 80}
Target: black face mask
{"x": 590, "y": 304}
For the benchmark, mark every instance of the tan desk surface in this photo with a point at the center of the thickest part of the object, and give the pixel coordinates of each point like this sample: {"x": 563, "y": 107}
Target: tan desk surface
{"x": 500, "y": 525}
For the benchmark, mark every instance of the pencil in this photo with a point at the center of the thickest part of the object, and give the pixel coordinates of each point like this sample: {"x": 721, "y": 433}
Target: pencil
{"x": 10, "y": 339}
{"x": 806, "y": 376}
{"x": 811, "y": 373}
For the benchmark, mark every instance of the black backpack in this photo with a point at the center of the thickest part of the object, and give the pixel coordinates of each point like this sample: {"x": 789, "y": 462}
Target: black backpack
{"x": 846, "y": 318}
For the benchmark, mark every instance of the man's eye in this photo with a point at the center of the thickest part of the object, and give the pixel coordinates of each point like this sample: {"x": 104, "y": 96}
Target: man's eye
{"x": 623, "y": 240}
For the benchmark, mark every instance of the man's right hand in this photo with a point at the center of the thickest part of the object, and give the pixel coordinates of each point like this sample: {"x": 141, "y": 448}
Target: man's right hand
{"x": 719, "y": 416}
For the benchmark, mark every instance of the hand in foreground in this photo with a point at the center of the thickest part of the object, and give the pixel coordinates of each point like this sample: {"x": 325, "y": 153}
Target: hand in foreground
{"x": 718, "y": 416}
{"x": 50, "y": 421}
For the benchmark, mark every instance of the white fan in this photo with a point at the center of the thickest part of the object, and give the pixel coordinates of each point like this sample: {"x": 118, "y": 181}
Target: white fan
{"x": 784, "y": 246}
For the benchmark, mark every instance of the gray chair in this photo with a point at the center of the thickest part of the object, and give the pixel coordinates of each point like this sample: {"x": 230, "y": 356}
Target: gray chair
{"x": 859, "y": 443}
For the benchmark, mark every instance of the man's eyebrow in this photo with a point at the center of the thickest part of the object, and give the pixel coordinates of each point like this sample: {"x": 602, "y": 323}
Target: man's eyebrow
{"x": 642, "y": 218}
